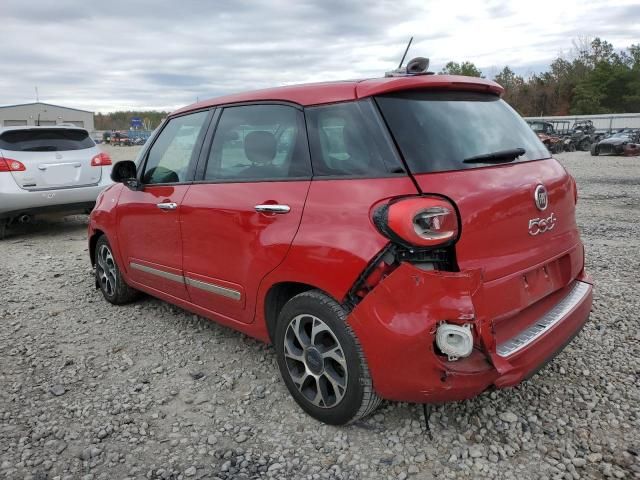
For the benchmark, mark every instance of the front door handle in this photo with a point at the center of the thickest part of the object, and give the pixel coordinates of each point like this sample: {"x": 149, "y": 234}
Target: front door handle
{"x": 273, "y": 208}
{"x": 167, "y": 206}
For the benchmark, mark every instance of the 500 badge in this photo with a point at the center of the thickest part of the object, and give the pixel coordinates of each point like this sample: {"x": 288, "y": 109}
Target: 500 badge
{"x": 541, "y": 225}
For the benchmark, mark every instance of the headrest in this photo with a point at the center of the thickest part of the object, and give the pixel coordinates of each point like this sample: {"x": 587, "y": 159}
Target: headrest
{"x": 260, "y": 146}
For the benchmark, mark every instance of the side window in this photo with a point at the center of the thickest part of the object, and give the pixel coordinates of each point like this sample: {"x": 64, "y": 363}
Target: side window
{"x": 169, "y": 157}
{"x": 259, "y": 142}
{"x": 347, "y": 139}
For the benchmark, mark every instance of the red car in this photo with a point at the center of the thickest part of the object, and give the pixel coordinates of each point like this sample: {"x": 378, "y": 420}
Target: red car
{"x": 406, "y": 238}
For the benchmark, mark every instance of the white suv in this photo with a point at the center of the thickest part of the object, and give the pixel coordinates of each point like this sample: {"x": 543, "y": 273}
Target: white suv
{"x": 54, "y": 169}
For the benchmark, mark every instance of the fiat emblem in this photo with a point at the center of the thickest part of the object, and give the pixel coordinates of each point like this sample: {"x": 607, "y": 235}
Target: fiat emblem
{"x": 541, "y": 198}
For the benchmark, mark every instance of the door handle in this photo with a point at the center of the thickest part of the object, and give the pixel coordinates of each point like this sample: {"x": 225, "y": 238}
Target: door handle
{"x": 273, "y": 208}
{"x": 167, "y": 206}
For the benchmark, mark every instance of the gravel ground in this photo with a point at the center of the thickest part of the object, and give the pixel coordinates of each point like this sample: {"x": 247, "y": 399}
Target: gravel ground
{"x": 92, "y": 391}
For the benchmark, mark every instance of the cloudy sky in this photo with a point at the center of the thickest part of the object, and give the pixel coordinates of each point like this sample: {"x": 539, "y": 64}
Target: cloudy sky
{"x": 154, "y": 54}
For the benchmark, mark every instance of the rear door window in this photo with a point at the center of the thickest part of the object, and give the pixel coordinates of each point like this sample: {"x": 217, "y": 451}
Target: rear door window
{"x": 348, "y": 139}
{"x": 45, "y": 140}
{"x": 259, "y": 142}
{"x": 436, "y": 131}
{"x": 175, "y": 149}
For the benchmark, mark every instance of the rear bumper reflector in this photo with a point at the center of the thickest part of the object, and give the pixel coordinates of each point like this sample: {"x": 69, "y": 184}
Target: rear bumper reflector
{"x": 545, "y": 323}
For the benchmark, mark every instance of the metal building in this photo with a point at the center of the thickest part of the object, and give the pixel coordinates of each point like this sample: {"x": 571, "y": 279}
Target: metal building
{"x": 44, "y": 114}
{"x": 603, "y": 121}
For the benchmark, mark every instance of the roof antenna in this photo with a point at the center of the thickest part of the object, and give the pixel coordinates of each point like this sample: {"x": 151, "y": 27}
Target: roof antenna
{"x": 416, "y": 66}
{"x": 405, "y": 53}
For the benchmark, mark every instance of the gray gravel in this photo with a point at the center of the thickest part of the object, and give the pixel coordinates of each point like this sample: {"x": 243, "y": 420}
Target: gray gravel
{"x": 92, "y": 391}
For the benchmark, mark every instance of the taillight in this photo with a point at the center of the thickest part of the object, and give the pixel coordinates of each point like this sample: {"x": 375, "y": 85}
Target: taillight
{"x": 11, "y": 165}
{"x": 101, "y": 160}
{"x": 426, "y": 221}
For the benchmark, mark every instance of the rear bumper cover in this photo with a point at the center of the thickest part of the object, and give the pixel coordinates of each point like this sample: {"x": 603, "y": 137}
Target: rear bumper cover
{"x": 396, "y": 325}
{"x": 15, "y": 201}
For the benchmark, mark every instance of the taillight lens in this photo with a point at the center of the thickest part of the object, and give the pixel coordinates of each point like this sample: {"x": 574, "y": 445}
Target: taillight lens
{"x": 101, "y": 160}
{"x": 11, "y": 165}
{"x": 427, "y": 221}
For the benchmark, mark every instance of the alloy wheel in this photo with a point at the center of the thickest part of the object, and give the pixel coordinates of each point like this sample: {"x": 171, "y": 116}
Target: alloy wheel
{"x": 315, "y": 361}
{"x": 106, "y": 270}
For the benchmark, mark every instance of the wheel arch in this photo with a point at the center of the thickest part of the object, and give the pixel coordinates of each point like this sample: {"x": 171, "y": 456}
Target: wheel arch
{"x": 93, "y": 241}
{"x": 277, "y": 297}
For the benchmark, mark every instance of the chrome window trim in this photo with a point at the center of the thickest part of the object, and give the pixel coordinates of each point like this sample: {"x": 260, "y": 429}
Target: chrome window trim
{"x": 545, "y": 323}
{"x": 217, "y": 289}
{"x": 160, "y": 273}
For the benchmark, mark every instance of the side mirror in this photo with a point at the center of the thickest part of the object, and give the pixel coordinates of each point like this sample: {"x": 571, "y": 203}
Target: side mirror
{"x": 125, "y": 172}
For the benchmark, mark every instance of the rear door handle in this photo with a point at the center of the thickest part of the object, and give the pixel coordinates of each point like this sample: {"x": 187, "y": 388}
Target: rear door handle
{"x": 273, "y": 208}
{"x": 167, "y": 206}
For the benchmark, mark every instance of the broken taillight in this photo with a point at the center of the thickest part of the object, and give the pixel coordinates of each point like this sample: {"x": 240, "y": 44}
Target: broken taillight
{"x": 425, "y": 221}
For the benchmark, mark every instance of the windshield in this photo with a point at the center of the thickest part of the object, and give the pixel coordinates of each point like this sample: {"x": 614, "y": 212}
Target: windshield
{"x": 45, "y": 140}
{"x": 436, "y": 131}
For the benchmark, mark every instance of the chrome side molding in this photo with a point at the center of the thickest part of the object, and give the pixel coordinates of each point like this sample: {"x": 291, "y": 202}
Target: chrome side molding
{"x": 206, "y": 286}
{"x": 160, "y": 273}
{"x": 217, "y": 289}
{"x": 545, "y": 323}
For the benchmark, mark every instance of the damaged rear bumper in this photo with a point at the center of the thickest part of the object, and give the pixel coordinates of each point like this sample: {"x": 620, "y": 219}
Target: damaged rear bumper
{"x": 397, "y": 321}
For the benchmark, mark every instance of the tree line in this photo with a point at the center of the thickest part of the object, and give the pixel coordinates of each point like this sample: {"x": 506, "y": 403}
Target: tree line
{"x": 593, "y": 79}
{"x": 122, "y": 120}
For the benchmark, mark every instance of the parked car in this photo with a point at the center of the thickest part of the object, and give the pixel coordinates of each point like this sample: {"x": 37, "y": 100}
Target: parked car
{"x": 120, "y": 139}
{"x": 406, "y": 238}
{"x": 48, "y": 170}
{"x": 547, "y": 135}
{"x": 625, "y": 142}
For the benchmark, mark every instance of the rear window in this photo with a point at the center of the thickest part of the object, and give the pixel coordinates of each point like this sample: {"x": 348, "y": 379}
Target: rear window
{"x": 45, "y": 140}
{"x": 436, "y": 131}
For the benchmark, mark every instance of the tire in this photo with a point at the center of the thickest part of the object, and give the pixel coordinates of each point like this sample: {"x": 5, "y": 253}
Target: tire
{"x": 585, "y": 145}
{"x": 3, "y": 228}
{"x": 594, "y": 150}
{"x": 108, "y": 276}
{"x": 321, "y": 360}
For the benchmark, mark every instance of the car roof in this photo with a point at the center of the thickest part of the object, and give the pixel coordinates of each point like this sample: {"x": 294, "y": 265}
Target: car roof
{"x": 342, "y": 91}
{"x": 41, "y": 127}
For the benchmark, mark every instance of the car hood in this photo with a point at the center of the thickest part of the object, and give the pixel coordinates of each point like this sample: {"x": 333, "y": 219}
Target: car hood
{"x": 615, "y": 141}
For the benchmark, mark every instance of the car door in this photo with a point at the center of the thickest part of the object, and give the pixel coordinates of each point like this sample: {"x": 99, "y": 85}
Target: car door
{"x": 149, "y": 218}
{"x": 240, "y": 219}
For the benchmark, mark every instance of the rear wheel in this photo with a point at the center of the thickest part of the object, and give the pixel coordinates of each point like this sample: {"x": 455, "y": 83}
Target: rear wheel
{"x": 108, "y": 276}
{"x": 321, "y": 361}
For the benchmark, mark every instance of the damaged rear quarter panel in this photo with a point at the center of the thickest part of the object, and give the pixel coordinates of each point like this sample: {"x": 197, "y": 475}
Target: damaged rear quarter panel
{"x": 396, "y": 324}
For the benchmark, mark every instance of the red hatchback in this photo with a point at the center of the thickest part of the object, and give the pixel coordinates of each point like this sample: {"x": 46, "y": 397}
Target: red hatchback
{"x": 406, "y": 238}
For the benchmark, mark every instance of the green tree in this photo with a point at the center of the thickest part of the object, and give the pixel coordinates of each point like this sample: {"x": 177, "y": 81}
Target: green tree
{"x": 465, "y": 68}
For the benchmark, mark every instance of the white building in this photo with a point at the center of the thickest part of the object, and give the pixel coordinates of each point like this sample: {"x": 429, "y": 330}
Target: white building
{"x": 44, "y": 114}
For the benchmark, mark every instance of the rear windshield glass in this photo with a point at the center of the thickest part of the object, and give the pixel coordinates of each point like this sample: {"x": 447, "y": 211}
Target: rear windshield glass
{"x": 436, "y": 131}
{"x": 45, "y": 140}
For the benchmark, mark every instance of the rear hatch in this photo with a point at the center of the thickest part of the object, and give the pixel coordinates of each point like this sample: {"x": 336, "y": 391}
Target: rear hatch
{"x": 53, "y": 157}
{"x": 504, "y": 231}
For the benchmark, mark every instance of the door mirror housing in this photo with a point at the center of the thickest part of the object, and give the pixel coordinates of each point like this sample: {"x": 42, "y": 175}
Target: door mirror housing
{"x": 125, "y": 172}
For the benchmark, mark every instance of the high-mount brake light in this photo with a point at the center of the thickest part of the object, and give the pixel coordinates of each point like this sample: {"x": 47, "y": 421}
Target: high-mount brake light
{"x": 101, "y": 160}
{"x": 11, "y": 165}
{"x": 426, "y": 221}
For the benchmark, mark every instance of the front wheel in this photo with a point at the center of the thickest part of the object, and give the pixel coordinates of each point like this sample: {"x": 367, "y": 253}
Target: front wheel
{"x": 594, "y": 150}
{"x": 321, "y": 361}
{"x": 108, "y": 275}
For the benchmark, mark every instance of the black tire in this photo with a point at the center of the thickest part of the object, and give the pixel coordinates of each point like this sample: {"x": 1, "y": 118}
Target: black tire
{"x": 347, "y": 366}
{"x": 108, "y": 276}
{"x": 594, "y": 150}
{"x": 585, "y": 145}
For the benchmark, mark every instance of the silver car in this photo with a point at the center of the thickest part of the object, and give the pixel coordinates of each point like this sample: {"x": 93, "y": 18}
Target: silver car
{"x": 53, "y": 169}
